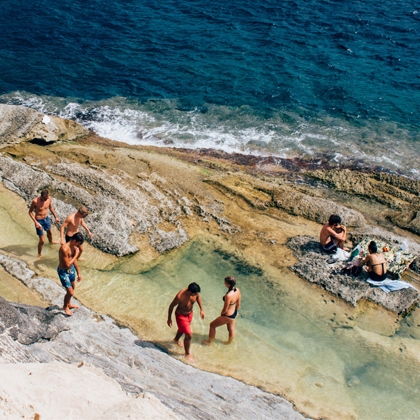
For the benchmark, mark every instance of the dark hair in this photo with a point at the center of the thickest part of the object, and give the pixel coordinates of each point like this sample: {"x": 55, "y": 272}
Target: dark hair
{"x": 230, "y": 280}
{"x": 373, "y": 247}
{"x": 194, "y": 288}
{"x": 334, "y": 219}
{"x": 78, "y": 237}
{"x": 45, "y": 193}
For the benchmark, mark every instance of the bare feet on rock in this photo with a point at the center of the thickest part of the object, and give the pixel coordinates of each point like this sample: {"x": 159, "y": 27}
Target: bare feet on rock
{"x": 73, "y": 306}
{"x": 189, "y": 357}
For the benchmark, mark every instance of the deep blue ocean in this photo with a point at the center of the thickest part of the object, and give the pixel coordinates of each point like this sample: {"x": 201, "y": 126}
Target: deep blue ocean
{"x": 287, "y": 78}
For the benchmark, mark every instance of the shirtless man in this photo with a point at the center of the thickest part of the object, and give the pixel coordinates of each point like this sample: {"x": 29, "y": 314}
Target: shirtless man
{"x": 40, "y": 205}
{"x": 184, "y": 301}
{"x": 68, "y": 267}
{"x": 333, "y": 234}
{"x": 72, "y": 224}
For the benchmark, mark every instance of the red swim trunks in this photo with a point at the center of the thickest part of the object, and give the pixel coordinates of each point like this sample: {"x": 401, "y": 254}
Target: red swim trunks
{"x": 184, "y": 323}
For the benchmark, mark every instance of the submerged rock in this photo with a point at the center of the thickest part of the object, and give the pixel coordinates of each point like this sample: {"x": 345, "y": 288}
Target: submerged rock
{"x": 353, "y": 381}
{"x": 138, "y": 366}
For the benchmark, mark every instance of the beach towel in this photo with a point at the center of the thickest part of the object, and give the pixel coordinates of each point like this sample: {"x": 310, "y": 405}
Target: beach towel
{"x": 390, "y": 285}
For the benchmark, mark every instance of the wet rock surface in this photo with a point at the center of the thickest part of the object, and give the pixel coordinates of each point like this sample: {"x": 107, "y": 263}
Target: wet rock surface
{"x": 18, "y": 123}
{"x": 136, "y": 365}
{"x": 313, "y": 267}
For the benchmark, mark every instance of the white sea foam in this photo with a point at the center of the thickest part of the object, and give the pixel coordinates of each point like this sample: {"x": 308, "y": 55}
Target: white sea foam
{"x": 162, "y": 123}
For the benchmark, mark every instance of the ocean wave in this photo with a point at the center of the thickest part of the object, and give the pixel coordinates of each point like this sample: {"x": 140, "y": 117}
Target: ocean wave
{"x": 235, "y": 129}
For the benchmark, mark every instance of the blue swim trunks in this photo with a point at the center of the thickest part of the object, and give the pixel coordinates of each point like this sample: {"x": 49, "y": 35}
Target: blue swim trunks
{"x": 45, "y": 225}
{"x": 67, "y": 277}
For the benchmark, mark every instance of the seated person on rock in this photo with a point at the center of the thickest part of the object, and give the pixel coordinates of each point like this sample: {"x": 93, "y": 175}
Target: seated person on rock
{"x": 333, "y": 235}
{"x": 375, "y": 262}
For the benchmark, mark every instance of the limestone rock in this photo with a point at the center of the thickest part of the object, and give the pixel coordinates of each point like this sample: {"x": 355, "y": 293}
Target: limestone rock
{"x": 18, "y": 124}
{"x": 118, "y": 208}
{"x": 138, "y": 366}
{"x": 313, "y": 267}
{"x": 262, "y": 195}
{"x": 398, "y": 193}
{"x": 29, "y": 324}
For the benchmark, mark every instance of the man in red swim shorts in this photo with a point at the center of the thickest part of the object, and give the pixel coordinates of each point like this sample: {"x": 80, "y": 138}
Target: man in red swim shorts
{"x": 184, "y": 301}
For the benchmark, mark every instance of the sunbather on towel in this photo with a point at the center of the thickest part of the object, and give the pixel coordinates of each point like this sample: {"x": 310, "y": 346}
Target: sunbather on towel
{"x": 376, "y": 263}
{"x": 333, "y": 235}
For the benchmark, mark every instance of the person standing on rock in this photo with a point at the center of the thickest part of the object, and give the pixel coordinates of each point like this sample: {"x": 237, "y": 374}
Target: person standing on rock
{"x": 184, "y": 302}
{"x": 333, "y": 235}
{"x": 68, "y": 268}
{"x": 71, "y": 224}
{"x": 40, "y": 205}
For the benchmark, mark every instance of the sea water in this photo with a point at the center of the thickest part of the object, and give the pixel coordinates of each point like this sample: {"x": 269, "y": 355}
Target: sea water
{"x": 293, "y": 338}
{"x": 289, "y": 78}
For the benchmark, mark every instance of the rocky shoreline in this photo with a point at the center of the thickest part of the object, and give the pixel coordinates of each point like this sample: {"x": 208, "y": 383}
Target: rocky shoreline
{"x": 31, "y": 334}
{"x": 155, "y": 200}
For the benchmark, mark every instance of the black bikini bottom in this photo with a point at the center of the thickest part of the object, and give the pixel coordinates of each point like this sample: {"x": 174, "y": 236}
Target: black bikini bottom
{"x": 233, "y": 316}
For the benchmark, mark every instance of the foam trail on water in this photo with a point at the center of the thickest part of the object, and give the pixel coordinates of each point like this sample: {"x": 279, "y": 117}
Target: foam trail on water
{"x": 286, "y": 135}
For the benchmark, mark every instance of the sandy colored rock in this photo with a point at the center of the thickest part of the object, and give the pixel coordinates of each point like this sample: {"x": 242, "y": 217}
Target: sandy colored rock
{"x": 29, "y": 391}
{"x": 399, "y": 194}
{"x": 262, "y": 195}
{"x": 18, "y": 124}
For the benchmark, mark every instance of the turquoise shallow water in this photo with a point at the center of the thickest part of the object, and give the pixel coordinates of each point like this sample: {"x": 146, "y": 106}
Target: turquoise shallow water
{"x": 330, "y": 359}
{"x": 290, "y": 78}
{"x": 291, "y": 339}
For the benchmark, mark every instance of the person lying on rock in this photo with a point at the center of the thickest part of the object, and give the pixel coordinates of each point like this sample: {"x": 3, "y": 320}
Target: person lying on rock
{"x": 71, "y": 225}
{"x": 68, "y": 267}
{"x": 40, "y": 205}
{"x": 333, "y": 235}
{"x": 375, "y": 262}
{"x": 184, "y": 302}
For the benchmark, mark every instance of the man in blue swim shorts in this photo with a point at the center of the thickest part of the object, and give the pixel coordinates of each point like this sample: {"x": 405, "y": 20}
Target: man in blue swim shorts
{"x": 68, "y": 268}
{"x": 40, "y": 205}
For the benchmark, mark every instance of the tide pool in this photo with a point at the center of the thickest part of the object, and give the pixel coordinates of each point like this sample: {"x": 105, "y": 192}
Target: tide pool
{"x": 293, "y": 339}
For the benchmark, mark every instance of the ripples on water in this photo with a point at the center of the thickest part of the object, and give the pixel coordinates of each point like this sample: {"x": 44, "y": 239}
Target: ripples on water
{"x": 299, "y": 77}
{"x": 288, "y": 339}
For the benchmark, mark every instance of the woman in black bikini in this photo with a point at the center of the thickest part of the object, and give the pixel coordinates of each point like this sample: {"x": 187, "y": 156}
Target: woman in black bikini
{"x": 376, "y": 263}
{"x": 232, "y": 302}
